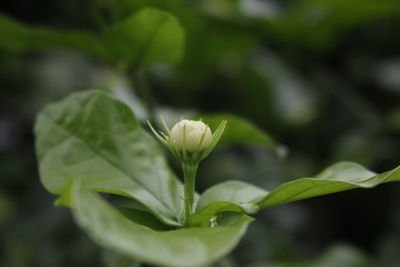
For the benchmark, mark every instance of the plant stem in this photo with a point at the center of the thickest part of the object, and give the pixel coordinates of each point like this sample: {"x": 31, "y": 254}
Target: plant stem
{"x": 189, "y": 173}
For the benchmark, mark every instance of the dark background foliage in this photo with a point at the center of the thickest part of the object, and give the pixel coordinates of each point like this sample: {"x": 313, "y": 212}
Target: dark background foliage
{"x": 321, "y": 76}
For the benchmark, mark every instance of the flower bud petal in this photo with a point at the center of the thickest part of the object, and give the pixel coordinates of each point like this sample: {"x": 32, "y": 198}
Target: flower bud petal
{"x": 188, "y": 134}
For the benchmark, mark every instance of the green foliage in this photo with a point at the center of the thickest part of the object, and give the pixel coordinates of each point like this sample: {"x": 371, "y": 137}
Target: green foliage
{"x": 95, "y": 138}
{"x": 239, "y": 196}
{"x": 19, "y": 38}
{"x": 231, "y": 196}
{"x": 339, "y": 177}
{"x": 239, "y": 131}
{"x": 316, "y": 24}
{"x": 145, "y": 37}
{"x": 92, "y": 141}
{"x": 182, "y": 247}
{"x": 321, "y": 76}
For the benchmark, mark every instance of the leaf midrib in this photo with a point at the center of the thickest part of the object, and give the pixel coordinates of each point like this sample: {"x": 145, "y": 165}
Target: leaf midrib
{"x": 293, "y": 197}
{"x": 142, "y": 50}
{"x": 98, "y": 153}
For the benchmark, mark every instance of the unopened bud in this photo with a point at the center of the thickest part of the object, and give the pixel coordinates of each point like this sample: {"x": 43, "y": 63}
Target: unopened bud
{"x": 190, "y": 141}
{"x": 191, "y": 136}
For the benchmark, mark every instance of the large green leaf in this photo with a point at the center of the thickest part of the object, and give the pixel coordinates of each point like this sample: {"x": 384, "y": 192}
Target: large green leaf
{"x": 94, "y": 137}
{"x": 19, "y": 38}
{"x": 184, "y": 247}
{"x": 148, "y": 36}
{"x": 339, "y": 177}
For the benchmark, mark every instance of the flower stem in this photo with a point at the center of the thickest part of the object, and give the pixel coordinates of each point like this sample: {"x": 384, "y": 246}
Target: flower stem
{"x": 189, "y": 173}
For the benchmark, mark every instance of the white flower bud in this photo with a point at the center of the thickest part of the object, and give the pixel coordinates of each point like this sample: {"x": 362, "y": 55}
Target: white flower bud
{"x": 189, "y": 141}
{"x": 188, "y": 134}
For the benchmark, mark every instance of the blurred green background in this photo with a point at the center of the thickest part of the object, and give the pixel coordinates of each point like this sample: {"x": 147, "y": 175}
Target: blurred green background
{"x": 320, "y": 76}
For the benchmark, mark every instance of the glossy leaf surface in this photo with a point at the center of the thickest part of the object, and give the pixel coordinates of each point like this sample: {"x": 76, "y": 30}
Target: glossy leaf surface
{"x": 183, "y": 247}
{"x": 339, "y": 177}
{"x": 233, "y": 196}
{"x": 94, "y": 137}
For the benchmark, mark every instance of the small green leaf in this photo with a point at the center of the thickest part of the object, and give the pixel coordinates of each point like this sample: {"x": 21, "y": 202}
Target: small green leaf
{"x": 183, "y": 247}
{"x": 94, "y": 137}
{"x": 233, "y": 191}
{"x": 148, "y": 36}
{"x": 238, "y": 130}
{"x": 233, "y": 196}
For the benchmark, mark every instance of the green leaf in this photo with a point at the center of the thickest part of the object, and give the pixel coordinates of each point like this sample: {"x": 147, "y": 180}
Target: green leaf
{"x": 19, "y": 38}
{"x": 233, "y": 196}
{"x": 233, "y": 191}
{"x": 95, "y": 138}
{"x": 148, "y": 36}
{"x": 183, "y": 247}
{"x": 238, "y": 130}
{"x": 144, "y": 218}
{"x": 249, "y": 199}
{"x": 339, "y": 177}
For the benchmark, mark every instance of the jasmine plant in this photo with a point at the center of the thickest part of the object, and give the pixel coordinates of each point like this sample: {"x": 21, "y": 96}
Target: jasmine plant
{"x": 92, "y": 142}
{"x": 190, "y": 142}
